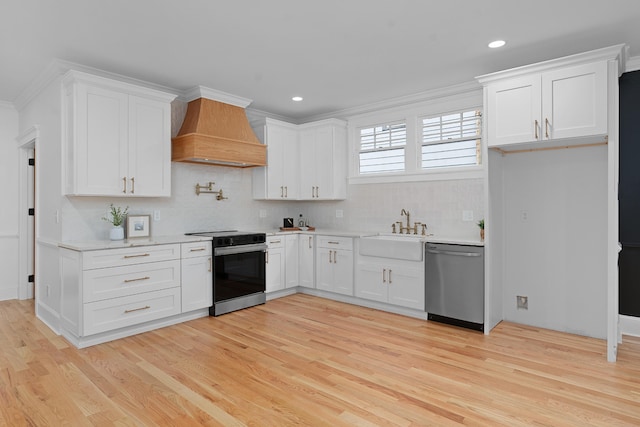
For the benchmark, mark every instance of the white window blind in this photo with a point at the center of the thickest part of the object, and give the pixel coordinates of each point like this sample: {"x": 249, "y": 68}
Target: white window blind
{"x": 452, "y": 140}
{"x": 382, "y": 148}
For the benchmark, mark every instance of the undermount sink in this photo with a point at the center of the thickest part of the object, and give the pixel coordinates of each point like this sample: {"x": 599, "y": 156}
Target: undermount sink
{"x": 398, "y": 246}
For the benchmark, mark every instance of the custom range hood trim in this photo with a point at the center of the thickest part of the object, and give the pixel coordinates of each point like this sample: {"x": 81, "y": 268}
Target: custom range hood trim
{"x": 217, "y": 132}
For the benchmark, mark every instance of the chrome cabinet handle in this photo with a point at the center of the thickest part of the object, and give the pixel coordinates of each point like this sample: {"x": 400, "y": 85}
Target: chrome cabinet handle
{"x": 281, "y": 191}
{"x": 124, "y": 184}
{"x": 197, "y": 249}
{"x": 146, "y": 307}
{"x": 137, "y": 280}
{"x": 133, "y": 185}
{"x": 390, "y": 276}
{"x": 535, "y": 127}
{"x": 210, "y": 265}
{"x": 335, "y": 257}
{"x": 310, "y": 247}
{"x": 384, "y": 275}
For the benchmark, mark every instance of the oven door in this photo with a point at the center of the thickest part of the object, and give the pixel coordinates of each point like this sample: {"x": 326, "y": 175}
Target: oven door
{"x": 238, "y": 271}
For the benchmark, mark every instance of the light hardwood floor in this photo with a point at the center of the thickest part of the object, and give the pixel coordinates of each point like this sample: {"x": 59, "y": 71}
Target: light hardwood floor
{"x": 303, "y": 360}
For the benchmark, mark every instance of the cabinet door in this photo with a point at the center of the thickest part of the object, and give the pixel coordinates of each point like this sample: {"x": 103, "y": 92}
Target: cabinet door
{"x": 306, "y": 261}
{"x": 316, "y": 163}
{"x": 406, "y": 286}
{"x": 514, "y": 111}
{"x": 282, "y": 160}
{"x": 100, "y": 143}
{"x": 324, "y": 269}
{"x": 308, "y": 164}
{"x": 197, "y": 283}
{"x": 149, "y": 171}
{"x": 372, "y": 282}
{"x": 291, "y": 261}
{"x": 275, "y": 273}
{"x": 574, "y": 101}
{"x": 343, "y": 272}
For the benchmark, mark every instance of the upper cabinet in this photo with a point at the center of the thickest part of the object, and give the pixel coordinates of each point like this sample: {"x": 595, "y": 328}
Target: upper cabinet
{"x": 304, "y": 162}
{"x": 278, "y": 180}
{"x": 117, "y": 138}
{"x": 323, "y": 157}
{"x": 551, "y": 101}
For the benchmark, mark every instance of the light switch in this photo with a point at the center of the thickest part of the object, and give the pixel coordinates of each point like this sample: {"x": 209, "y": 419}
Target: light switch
{"x": 467, "y": 215}
{"x": 339, "y": 213}
{"x": 156, "y": 215}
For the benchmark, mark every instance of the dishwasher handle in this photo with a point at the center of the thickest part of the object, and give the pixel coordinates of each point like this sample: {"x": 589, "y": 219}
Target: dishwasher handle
{"x": 467, "y": 254}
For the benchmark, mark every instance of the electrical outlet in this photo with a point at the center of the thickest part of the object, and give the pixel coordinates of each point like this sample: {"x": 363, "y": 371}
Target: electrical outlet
{"x": 263, "y": 213}
{"x": 467, "y": 216}
{"x": 524, "y": 216}
{"x": 339, "y": 213}
{"x": 522, "y": 302}
{"x": 156, "y": 215}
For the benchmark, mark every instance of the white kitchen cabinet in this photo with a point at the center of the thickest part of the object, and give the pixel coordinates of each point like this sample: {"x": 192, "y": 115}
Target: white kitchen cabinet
{"x": 109, "y": 289}
{"x": 117, "y": 138}
{"x": 323, "y": 154}
{"x": 394, "y": 282}
{"x": 306, "y": 260}
{"x": 334, "y": 264}
{"x": 275, "y": 264}
{"x": 566, "y": 102}
{"x": 196, "y": 276}
{"x": 279, "y": 179}
{"x": 291, "y": 260}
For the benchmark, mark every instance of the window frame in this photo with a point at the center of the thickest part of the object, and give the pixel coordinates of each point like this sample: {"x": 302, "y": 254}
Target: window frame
{"x": 411, "y": 113}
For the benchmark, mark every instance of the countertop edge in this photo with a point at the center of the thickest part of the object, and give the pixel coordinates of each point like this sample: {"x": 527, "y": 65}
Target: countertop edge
{"x": 96, "y": 245}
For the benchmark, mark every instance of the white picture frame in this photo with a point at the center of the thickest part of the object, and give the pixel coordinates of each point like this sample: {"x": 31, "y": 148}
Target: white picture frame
{"x": 138, "y": 226}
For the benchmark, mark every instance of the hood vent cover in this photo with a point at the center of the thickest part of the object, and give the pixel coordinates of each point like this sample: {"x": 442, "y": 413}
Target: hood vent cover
{"x": 218, "y": 134}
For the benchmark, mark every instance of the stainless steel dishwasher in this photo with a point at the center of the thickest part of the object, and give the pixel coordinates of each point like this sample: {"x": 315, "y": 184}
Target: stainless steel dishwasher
{"x": 454, "y": 276}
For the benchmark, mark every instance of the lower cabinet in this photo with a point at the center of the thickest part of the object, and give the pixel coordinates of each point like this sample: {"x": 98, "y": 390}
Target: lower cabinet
{"x": 197, "y": 276}
{"x": 110, "y": 293}
{"x": 394, "y": 282}
{"x": 275, "y": 267}
{"x": 306, "y": 261}
{"x": 334, "y": 264}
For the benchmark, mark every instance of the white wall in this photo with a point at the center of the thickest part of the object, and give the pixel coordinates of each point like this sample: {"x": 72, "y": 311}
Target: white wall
{"x": 557, "y": 256}
{"x": 9, "y": 225}
{"x": 45, "y": 112}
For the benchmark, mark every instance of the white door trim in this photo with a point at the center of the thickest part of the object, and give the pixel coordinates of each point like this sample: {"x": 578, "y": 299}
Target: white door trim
{"x": 26, "y": 142}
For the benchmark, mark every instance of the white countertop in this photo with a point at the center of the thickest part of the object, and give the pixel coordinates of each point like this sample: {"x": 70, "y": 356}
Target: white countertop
{"x": 343, "y": 233}
{"x": 95, "y": 245}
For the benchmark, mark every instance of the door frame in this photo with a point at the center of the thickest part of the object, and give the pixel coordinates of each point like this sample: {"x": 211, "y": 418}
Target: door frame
{"x": 27, "y": 141}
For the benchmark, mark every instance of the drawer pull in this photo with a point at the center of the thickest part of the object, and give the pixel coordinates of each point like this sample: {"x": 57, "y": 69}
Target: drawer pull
{"x": 135, "y": 256}
{"x": 137, "y": 280}
{"x": 210, "y": 265}
{"x": 197, "y": 250}
{"x": 275, "y": 241}
{"x": 333, "y": 243}
{"x": 146, "y": 307}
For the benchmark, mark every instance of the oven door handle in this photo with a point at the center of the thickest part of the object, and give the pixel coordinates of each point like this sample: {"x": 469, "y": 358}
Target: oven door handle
{"x": 230, "y": 250}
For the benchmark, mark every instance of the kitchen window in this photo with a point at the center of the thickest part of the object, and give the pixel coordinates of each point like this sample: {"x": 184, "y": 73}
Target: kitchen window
{"x": 451, "y": 140}
{"x": 382, "y": 148}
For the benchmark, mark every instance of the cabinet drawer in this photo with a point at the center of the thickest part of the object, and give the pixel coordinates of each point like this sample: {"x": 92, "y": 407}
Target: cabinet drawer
{"x": 196, "y": 249}
{"x": 333, "y": 242}
{"x": 275, "y": 242}
{"x": 114, "y": 282}
{"x": 129, "y": 256}
{"x": 101, "y": 316}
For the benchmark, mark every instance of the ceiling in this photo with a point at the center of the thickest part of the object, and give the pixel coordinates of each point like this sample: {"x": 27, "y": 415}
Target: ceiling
{"x": 337, "y": 54}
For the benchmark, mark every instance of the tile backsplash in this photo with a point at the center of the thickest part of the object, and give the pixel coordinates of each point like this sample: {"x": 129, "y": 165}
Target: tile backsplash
{"x": 368, "y": 207}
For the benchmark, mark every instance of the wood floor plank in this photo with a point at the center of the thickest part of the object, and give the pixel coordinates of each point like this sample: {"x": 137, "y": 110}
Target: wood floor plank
{"x": 303, "y": 360}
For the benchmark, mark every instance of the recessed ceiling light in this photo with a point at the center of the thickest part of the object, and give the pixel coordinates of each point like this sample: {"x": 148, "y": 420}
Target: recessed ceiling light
{"x": 296, "y": 98}
{"x": 497, "y": 43}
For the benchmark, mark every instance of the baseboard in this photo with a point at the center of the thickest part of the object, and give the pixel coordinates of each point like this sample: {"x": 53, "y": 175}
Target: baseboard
{"x": 9, "y": 293}
{"x": 630, "y": 325}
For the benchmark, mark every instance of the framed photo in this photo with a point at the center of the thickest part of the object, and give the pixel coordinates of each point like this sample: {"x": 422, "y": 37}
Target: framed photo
{"x": 138, "y": 226}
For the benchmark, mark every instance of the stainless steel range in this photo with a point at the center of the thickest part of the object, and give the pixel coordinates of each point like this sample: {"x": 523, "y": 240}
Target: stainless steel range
{"x": 239, "y": 270}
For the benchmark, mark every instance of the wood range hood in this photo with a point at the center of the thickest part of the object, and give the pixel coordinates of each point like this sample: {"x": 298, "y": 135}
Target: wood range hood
{"x": 217, "y": 133}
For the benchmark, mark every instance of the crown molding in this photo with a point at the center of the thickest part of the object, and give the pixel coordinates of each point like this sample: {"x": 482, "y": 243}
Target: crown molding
{"x": 402, "y": 101}
{"x": 58, "y": 67}
{"x": 215, "y": 95}
{"x": 618, "y": 52}
{"x": 633, "y": 64}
